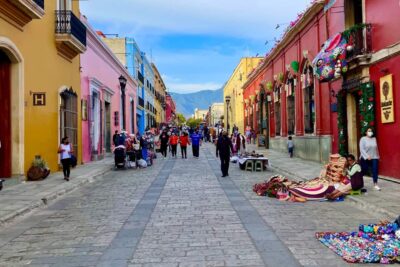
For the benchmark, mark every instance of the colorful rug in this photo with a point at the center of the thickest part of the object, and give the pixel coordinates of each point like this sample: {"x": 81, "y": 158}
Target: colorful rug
{"x": 379, "y": 243}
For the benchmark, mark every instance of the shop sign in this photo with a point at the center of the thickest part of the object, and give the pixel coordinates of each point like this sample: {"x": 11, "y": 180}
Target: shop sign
{"x": 39, "y": 99}
{"x": 387, "y": 103}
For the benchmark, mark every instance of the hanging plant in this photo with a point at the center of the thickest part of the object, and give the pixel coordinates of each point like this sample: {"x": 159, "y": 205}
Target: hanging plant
{"x": 269, "y": 86}
{"x": 353, "y": 29}
{"x": 280, "y": 77}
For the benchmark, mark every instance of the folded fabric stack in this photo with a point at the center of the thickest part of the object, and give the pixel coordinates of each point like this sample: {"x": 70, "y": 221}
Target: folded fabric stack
{"x": 373, "y": 243}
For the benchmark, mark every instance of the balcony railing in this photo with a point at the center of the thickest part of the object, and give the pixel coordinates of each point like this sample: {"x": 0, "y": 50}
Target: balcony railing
{"x": 40, "y": 3}
{"x": 359, "y": 37}
{"x": 141, "y": 102}
{"x": 68, "y": 23}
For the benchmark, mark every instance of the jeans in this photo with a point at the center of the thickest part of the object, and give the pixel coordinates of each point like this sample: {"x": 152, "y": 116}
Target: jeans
{"x": 195, "y": 149}
{"x": 290, "y": 150}
{"x": 225, "y": 165}
{"x": 173, "y": 148}
{"x": 373, "y": 164}
{"x": 184, "y": 152}
{"x": 66, "y": 163}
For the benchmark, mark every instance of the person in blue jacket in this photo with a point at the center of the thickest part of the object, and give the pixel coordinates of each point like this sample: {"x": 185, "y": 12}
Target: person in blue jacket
{"x": 196, "y": 143}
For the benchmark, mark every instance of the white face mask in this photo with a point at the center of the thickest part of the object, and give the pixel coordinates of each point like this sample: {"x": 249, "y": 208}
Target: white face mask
{"x": 370, "y": 134}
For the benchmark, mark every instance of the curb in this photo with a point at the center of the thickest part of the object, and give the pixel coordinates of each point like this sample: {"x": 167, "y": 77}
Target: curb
{"x": 356, "y": 201}
{"x": 45, "y": 201}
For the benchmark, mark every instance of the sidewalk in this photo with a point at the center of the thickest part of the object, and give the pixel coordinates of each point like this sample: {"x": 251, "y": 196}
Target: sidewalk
{"x": 20, "y": 199}
{"x": 384, "y": 203}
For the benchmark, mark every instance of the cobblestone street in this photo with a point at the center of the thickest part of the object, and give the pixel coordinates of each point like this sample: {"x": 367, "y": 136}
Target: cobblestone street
{"x": 177, "y": 213}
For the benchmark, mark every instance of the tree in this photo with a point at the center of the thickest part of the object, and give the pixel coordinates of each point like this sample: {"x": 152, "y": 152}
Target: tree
{"x": 193, "y": 123}
{"x": 181, "y": 119}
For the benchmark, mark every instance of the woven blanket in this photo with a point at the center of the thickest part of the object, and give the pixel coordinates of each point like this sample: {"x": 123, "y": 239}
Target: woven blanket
{"x": 312, "y": 193}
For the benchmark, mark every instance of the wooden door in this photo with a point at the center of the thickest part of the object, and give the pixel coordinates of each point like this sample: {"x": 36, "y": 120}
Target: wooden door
{"x": 5, "y": 115}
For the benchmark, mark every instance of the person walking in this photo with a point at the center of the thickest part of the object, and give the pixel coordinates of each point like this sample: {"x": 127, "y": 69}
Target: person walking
{"x": 115, "y": 138}
{"x": 164, "y": 138}
{"x": 290, "y": 146}
{"x": 196, "y": 143}
{"x": 65, "y": 150}
{"x": 173, "y": 141}
{"x": 184, "y": 142}
{"x": 370, "y": 156}
{"x": 224, "y": 149}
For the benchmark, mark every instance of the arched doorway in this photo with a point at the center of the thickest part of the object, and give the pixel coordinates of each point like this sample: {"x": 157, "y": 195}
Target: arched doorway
{"x": 5, "y": 111}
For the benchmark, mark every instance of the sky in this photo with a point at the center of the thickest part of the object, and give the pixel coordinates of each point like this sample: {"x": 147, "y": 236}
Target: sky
{"x": 195, "y": 44}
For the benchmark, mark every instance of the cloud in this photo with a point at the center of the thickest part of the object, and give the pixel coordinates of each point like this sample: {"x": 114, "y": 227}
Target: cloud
{"x": 249, "y": 19}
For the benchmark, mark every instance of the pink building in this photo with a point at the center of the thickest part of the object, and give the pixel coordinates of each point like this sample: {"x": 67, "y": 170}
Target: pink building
{"x": 102, "y": 98}
{"x": 170, "y": 109}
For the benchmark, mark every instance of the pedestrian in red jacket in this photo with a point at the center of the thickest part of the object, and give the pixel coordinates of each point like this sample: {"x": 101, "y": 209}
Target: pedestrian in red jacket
{"x": 184, "y": 141}
{"x": 173, "y": 141}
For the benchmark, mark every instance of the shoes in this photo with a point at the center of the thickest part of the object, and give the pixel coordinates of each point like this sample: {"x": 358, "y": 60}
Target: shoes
{"x": 377, "y": 188}
{"x": 223, "y": 176}
{"x": 66, "y": 179}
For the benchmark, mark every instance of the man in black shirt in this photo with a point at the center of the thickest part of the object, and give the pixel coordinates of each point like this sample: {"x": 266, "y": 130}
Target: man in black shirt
{"x": 224, "y": 149}
{"x": 115, "y": 138}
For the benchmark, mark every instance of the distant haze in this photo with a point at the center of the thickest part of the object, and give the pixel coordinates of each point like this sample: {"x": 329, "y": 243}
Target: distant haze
{"x": 186, "y": 103}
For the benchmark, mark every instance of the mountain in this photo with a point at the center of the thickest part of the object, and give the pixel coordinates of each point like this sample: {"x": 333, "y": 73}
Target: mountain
{"x": 186, "y": 103}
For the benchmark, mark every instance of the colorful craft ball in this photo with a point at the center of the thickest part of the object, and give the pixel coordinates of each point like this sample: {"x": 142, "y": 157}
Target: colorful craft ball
{"x": 345, "y": 69}
{"x": 371, "y": 123}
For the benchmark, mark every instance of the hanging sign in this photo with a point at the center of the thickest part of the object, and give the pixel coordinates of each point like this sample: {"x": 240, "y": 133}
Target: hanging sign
{"x": 39, "y": 99}
{"x": 387, "y": 103}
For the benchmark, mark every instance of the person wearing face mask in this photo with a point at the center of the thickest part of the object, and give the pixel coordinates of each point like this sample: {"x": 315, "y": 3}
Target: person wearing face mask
{"x": 370, "y": 155}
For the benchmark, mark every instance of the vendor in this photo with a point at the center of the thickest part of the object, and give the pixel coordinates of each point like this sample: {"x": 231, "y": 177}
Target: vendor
{"x": 355, "y": 175}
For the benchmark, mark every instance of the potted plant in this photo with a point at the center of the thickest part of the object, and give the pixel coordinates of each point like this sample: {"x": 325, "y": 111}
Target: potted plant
{"x": 39, "y": 170}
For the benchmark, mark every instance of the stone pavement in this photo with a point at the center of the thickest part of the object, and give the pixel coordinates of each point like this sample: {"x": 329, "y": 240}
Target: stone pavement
{"x": 384, "y": 203}
{"x": 19, "y": 199}
{"x": 177, "y": 213}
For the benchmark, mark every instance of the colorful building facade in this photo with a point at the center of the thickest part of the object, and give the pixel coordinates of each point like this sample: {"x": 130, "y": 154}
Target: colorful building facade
{"x": 102, "y": 98}
{"x": 39, "y": 105}
{"x": 170, "y": 109}
{"x": 233, "y": 90}
{"x": 159, "y": 99}
{"x": 327, "y": 106}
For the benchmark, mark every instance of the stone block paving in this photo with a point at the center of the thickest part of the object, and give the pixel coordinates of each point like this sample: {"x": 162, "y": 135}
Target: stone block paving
{"x": 296, "y": 223}
{"x": 194, "y": 224}
{"x": 79, "y": 228}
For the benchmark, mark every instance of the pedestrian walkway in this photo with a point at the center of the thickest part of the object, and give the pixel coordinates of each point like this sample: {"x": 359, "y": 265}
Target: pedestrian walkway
{"x": 19, "y": 199}
{"x": 177, "y": 213}
{"x": 384, "y": 202}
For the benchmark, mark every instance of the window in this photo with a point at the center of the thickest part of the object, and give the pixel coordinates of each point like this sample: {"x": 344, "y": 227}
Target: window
{"x": 309, "y": 105}
{"x": 64, "y": 5}
{"x": 69, "y": 117}
{"x": 290, "y": 106}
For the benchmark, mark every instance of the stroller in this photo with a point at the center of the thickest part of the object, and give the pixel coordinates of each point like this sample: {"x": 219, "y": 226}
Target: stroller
{"x": 120, "y": 157}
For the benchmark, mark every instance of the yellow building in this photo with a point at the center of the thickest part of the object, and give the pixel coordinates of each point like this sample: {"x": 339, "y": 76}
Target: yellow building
{"x": 39, "y": 81}
{"x": 233, "y": 90}
{"x": 200, "y": 113}
{"x": 159, "y": 99}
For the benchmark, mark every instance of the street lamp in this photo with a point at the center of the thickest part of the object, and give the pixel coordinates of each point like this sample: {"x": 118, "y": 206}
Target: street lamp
{"x": 227, "y": 100}
{"x": 122, "y": 84}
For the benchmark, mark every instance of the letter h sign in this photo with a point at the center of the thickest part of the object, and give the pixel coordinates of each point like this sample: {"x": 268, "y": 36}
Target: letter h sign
{"x": 39, "y": 99}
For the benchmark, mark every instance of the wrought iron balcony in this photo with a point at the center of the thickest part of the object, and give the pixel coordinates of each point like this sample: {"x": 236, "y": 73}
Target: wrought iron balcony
{"x": 70, "y": 34}
{"x": 360, "y": 39}
{"x": 21, "y": 12}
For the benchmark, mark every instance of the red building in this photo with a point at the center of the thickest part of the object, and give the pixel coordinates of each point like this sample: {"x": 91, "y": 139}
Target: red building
{"x": 170, "y": 109}
{"x": 327, "y": 109}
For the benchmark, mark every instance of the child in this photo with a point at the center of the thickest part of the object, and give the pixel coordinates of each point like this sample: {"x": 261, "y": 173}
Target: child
{"x": 290, "y": 146}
